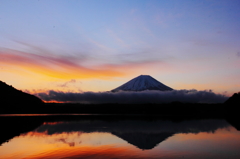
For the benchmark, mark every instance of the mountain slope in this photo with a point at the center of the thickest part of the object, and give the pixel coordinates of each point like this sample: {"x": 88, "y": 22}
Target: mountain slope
{"x": 141, "y": 83}
{"x": 12, "y": 96}
{"x": 232, "y": 105}
{"x": 234, "y": 99}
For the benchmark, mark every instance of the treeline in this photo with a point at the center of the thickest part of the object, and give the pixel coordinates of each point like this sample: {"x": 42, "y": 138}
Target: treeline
{"x": 176, "y": 108}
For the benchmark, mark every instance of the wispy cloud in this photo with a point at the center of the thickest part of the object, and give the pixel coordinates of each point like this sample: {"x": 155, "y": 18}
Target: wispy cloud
{"x": 189, "y": 96}
{"x": 66, "y": 83}
{"x": 116, "y": 37}
{"x": 73, "y": 66}
{"x": 66, "y": 67}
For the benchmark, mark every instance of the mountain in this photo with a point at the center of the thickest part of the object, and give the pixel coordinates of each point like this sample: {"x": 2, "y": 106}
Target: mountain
{"x": 11, "y": 96}
{"x": 141, "y": 83}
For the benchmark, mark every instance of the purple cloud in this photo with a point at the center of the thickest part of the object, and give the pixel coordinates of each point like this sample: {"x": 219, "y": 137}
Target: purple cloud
{"x": 186, "y": 96}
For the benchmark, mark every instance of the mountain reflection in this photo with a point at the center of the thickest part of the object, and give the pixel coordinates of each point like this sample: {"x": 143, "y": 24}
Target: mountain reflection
{"x": 142, "y": 140}
{"x": 116, "y": 137}
{"x": 142, "y": 134}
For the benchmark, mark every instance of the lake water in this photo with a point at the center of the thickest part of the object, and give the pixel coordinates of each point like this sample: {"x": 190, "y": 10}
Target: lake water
{"x": 66, "y": 138}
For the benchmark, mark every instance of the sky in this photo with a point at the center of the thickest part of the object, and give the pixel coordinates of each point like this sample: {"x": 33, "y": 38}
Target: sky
{"x": 97, "y": 45}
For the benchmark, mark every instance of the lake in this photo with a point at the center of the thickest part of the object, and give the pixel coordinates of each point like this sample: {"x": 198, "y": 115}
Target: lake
{"x": 101, "y": 137}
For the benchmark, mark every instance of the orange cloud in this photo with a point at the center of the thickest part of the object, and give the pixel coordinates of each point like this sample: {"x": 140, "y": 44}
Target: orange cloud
{"x": 52, "y": 66}
{"x": 70, "y": 67}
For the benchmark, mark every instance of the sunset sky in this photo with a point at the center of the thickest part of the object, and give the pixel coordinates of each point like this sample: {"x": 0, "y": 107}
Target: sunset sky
{"x": 97, "y": 45}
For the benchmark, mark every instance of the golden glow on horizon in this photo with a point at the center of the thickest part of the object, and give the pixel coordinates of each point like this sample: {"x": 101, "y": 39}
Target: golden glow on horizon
{"x": 53, "y": 101}
{"x": 52, "y": 67}
{"x": 37, "y": 73}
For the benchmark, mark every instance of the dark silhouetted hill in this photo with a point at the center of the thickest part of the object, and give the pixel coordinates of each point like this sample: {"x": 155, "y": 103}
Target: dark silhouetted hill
{"x": 231, "y": 106}
{"x": 234, "y": 99}
{"x": 13, "y": 99}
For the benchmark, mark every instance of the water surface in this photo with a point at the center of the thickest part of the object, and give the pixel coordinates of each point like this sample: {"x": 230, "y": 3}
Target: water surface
{"x": 128, "y": 138}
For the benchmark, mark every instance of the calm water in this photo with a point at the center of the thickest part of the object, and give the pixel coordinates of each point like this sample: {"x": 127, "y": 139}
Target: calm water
{"x": 87, "y": 138}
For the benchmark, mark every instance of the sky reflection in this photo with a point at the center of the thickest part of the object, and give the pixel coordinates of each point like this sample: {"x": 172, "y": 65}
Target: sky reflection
{"x": 222, "y": 141}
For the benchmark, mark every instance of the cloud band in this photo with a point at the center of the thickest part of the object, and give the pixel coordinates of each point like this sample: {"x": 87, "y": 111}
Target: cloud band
{"x": 185, "y": 96}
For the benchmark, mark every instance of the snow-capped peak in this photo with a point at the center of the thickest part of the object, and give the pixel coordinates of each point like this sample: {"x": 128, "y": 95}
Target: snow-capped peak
{"x": 141, "y": 83}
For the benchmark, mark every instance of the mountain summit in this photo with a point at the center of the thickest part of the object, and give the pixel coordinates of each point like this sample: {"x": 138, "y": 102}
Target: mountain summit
{"x": 141, "y": 83}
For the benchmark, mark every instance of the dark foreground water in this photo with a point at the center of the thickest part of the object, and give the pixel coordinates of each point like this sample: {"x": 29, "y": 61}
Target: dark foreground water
{"x": 58, "y": 138}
